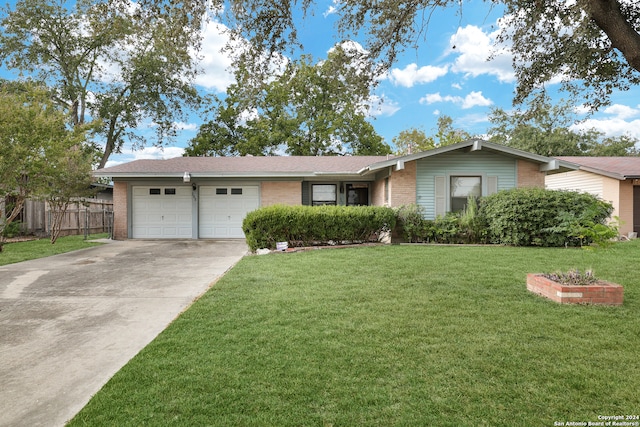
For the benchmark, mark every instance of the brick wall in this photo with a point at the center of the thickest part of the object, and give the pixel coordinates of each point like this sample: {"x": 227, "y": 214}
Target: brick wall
{"x": 377, "y": 193}
{"x": 281, "y": 192}
{"x": 402, "y": 185}
{"x": 120, "y": 229}
{"x": 529, "y": 175}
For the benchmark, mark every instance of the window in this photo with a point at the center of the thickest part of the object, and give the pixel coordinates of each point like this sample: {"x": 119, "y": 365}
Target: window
{"x": 221, "y": 191}
{"x": 462, "y": 187}
{"x": 154, "y": 191}
{"x": 169, "y": 191}
{"x": 323, "y": 194}
{"x": 236, "y": 191}
{"x": 358, "y": 194}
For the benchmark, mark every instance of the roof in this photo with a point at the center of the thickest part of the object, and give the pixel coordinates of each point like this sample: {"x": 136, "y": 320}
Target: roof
{"x": 248, "y": 166}
{"x": 308, "y": 166}
{"x": 547, "y": 164}
{"x": 615, "y": 167}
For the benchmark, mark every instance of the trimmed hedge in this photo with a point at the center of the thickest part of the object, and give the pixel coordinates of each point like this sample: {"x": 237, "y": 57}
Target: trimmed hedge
{"x": 540, "y": 217}
{"x": 316, "y": 225}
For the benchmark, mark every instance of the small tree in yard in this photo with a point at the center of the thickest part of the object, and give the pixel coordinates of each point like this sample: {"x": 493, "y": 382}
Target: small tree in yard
{"x": 36, "y": 148}
{"x": 70, "y": 179}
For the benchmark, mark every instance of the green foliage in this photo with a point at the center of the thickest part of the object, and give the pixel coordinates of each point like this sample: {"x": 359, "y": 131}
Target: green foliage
{"x": 309, "y": 109}
{"x": 539, "y": 217}
{"x": 411, "y": 224}
{"x": 455, "y": 227}
{"x": 112, "y": 64}
{"x": 545, "y": 129}
{"x": 412, "y": 141}
{"x": 448, "y": 135}
{"x": 591, "y": 44}
{"x": 12, "y": 229}
{"x": 314, "y": 225}
{"x": 37, "y": 151}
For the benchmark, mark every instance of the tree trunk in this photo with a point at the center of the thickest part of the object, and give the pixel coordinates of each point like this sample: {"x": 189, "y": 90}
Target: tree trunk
{"x": 608, "y": 16}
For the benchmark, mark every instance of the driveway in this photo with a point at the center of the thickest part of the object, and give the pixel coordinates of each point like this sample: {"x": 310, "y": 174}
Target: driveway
{"x": 69, "y": 322}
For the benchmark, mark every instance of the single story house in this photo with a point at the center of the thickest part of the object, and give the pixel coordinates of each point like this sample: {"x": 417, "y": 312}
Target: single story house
{"x": 614, "y": 179}
{"x": 208, "y": 197}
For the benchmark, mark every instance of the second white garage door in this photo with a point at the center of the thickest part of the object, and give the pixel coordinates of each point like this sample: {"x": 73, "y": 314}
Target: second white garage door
{"x": 223, "y": 208}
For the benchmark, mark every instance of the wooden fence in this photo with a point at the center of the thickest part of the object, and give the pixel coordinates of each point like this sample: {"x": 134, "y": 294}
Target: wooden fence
{"x": 86, "y": 217}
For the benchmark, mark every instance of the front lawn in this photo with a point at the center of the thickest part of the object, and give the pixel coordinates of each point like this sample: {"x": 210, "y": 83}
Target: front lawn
{"x": 388, "y": 335}
{"x": 32, "y": 249}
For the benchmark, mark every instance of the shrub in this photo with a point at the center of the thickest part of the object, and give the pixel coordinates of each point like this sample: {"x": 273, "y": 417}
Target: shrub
{"x": 13, "y": 229}
{"x": 411, "y": 224}
{"x": 314, "y": 225}
{"x": 539, "y": 217}
{"x": 573, "y": 277}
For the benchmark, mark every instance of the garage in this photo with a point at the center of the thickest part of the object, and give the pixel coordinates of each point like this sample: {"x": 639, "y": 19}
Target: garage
{"x": 161, "y": 212}
{"x": 223, "y": 208}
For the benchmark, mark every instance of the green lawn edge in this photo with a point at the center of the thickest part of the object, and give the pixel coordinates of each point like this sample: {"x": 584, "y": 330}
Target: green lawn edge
{"x": 40, "y": 248}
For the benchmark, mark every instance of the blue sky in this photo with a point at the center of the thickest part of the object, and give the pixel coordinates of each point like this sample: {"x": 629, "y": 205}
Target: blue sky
{"x": 435, "y": 79}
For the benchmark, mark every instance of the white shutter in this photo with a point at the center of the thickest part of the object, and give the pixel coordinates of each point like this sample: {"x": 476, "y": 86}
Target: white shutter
{"x": 492, "y": 185}
{"x": 440, "y": 195}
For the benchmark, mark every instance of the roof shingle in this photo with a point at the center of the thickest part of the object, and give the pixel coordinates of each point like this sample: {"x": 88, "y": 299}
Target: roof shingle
{"x": 245, "y": 165}
{"x": 627, "y": 167}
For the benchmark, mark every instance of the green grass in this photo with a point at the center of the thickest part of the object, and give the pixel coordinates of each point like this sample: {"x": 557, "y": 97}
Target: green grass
{"x": 388, "y": 336}
{"x": 24, "y": 251}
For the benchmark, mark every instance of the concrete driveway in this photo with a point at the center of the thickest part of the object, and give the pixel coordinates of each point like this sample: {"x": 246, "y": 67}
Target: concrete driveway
{"x": 69, "y": 322}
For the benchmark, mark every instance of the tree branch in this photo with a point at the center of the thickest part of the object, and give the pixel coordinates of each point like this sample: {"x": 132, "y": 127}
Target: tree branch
{"x": 609, "y": 18}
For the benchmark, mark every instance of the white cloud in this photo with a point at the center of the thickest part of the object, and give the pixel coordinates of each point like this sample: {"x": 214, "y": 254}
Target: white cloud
{"x": 456, "y": 86}
{"x": 214, "y": 63}
{"x": 474, "y": 47}
{"x": 412, "y": 75}
{"x": 612, "y": 121}
{"x": 474, "y": 99}
{"x": 610, "y": 127}
{"x": 622, "y": 111}
{"x": 333, "y": 9}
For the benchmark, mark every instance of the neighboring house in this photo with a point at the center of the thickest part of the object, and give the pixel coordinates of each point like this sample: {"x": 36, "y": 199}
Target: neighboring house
{"x": 208, "y": 197}
{"x": 614, "y": 179}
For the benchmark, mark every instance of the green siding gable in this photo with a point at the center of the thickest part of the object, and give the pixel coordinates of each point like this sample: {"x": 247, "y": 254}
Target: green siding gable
{"x": 480, "y": 163}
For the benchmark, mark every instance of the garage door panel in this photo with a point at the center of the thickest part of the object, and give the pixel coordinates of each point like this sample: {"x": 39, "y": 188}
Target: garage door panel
{"x": 223, "y": 208}
{"x": 161, "y": 212}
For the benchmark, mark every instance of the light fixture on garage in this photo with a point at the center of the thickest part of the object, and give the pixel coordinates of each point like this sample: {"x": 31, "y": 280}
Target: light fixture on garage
{"x": 186, "y": 177}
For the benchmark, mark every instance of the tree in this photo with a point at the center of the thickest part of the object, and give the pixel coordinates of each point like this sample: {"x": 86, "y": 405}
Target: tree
{"x": 68, "y": 175}
{"x": 596, "y": 42}
{"x": 548, "y": 133}
{"x": 447, "y": 134}
{"x": 36, "y": 148}
{"x": 113, "y": 63}
{"x": 594, "y": 45}
{"x": 308, "y": 109}
{"x": 412, "y": 141}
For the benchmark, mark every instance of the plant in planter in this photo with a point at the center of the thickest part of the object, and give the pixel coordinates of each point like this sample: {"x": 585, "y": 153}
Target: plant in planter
{"x": 574, "y": 287}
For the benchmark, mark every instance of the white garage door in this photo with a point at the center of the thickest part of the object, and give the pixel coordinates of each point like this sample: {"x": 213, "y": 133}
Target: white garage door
{"x": 223, "y": 208}
{"x": 161, "y": 212}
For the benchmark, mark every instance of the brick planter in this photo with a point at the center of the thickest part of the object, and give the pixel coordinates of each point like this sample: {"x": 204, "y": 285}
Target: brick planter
{"x": 603, "y": 293}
